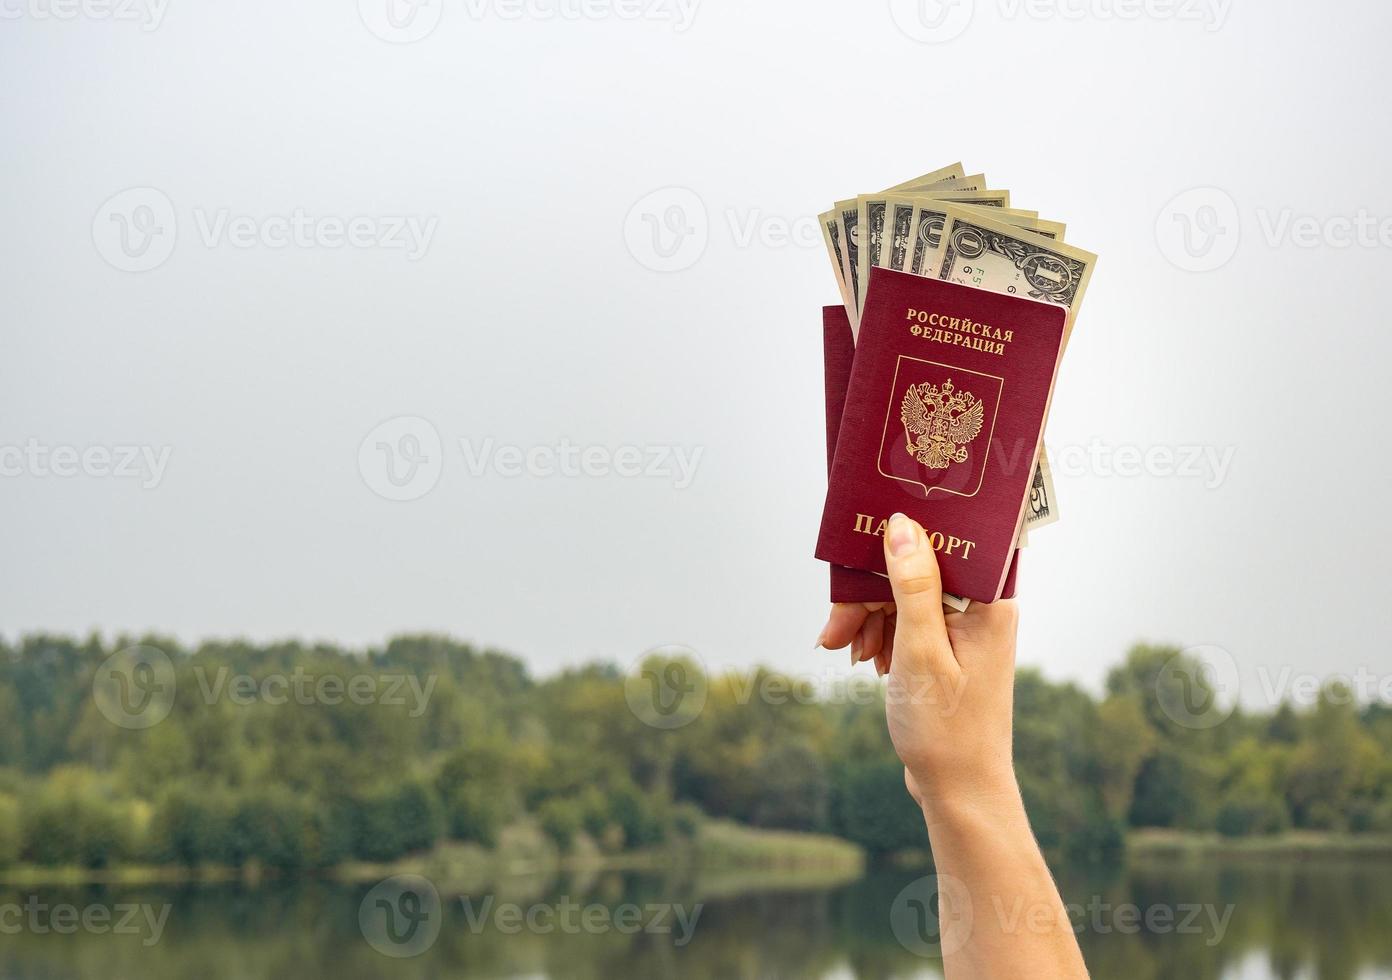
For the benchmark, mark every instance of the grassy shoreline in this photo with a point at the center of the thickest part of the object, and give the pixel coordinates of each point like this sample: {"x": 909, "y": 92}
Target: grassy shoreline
{"x": 720, "y": 847}
{"x": 1299, "y": 845}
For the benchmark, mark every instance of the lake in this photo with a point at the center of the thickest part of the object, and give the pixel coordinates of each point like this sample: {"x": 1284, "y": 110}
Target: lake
{"x": 1326, "y": 920}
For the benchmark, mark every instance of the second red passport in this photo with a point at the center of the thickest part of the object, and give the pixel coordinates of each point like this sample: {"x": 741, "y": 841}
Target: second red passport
{"x": 943, "y": 419}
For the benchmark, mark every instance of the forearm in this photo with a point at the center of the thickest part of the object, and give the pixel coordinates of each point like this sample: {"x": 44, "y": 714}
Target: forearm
{"x": 987, "y": 858}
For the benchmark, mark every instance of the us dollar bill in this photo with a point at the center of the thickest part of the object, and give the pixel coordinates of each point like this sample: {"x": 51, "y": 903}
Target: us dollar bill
{"x": 971, "y": 182}
{"x": 981, "y": 251}
{"x": 849, "y": 215}
{"x": 874, "y": 219}
{"x": 921, "y": 224}
{"x": 951, "y": 172}
{"x": 877, "y": 222}
{"x": 872, "y": 215}
{"x": 1040, "y": 510}
{"x": 925, "y": 228}
{"x": 898, "y": 226}
{"x": 856, "y": 242}
{"x": 987, "y": 253}
{"x": 831, "y": 235}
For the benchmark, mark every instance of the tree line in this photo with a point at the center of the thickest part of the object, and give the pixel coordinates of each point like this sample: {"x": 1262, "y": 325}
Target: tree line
{"x": 295, "y": 757}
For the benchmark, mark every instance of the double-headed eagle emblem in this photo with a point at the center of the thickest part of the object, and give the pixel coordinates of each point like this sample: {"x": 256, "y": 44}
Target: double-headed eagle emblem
{"x": 939, "y": 423}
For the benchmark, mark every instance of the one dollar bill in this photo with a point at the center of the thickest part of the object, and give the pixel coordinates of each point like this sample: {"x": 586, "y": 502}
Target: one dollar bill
{"x": 981, "y": 251}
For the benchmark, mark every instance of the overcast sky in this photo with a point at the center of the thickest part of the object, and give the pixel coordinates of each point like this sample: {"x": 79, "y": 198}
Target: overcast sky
{"x": 265, "y": 255}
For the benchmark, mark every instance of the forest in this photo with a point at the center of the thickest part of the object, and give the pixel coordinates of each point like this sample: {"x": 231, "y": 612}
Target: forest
{"x": 299, "y": 757}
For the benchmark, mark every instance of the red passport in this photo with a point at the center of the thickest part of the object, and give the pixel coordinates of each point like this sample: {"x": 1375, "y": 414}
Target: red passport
{"x": 943, "y": 416}
{"x": 838, "y": 353}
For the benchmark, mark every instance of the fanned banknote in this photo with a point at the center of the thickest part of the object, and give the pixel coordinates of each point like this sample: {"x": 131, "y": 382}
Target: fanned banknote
{"x": 982, "y": 251}
{"x": 951, "y": 172}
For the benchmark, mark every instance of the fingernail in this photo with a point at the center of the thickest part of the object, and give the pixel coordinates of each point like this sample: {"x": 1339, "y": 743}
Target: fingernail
{"x": 855, "y": 651}
{"x": 903, "y": 538}
{"x": 821, "y": 638}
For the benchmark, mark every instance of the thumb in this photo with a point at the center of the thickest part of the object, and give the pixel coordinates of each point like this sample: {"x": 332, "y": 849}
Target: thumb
{"x": 917, "y": 584}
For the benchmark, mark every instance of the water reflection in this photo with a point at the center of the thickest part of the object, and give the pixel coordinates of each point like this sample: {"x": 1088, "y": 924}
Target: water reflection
{"x": 1292, "y": 921}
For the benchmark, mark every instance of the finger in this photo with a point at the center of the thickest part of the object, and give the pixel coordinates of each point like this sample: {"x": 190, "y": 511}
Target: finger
{"x": 921, "y": 642}
{"x": 989, "y": 629}
{"x": 872, "y": 635}
{"x": 886, "y": 658}
{"x": 911, "y": 785}
{"x": 842, "y": 625}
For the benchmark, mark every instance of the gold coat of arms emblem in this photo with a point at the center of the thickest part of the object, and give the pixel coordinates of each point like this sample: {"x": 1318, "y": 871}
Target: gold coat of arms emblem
{"x": 939, "y": 423}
